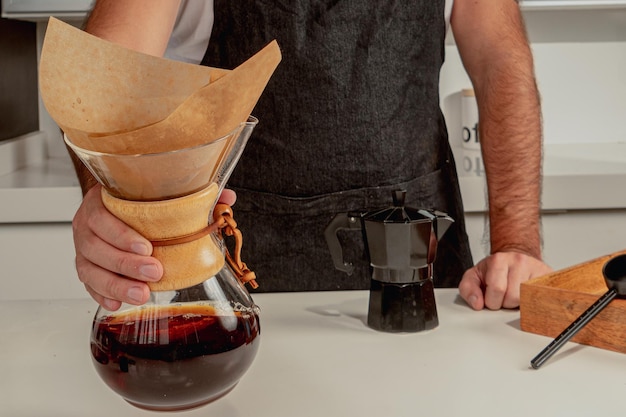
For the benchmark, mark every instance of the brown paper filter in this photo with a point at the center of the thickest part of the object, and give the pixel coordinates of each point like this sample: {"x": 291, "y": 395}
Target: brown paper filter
{"x": 210, "y": 113}
{"x": 93, "y": 86}
{"x": 114, "y": 100}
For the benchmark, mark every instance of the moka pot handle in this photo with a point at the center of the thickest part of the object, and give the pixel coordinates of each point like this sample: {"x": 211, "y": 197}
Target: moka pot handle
{"x": 341, "y": 221}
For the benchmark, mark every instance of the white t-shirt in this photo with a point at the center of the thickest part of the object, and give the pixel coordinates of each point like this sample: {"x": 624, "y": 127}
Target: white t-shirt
{"x": 194, "y": 22}
{"x": 192, "y": 30}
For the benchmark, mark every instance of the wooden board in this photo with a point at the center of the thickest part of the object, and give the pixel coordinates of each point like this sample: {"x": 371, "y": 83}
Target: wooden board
{"x": 549, "y": 304}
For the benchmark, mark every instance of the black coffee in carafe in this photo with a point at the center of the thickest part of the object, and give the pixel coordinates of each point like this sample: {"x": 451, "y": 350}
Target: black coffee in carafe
{"x": 174, "y": 357}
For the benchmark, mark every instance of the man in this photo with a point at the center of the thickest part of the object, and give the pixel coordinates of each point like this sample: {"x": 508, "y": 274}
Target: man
{"x": 351, "y": 114}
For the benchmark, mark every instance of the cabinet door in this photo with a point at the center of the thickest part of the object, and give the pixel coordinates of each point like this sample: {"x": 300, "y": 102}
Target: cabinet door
{"x": 38, "y": 262}
{"x": 569, "y": 237}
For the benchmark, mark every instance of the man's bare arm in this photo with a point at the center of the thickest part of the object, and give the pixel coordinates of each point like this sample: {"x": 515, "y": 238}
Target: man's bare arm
{"x": 492, "y": 41}
{"x": 141, "y": 25}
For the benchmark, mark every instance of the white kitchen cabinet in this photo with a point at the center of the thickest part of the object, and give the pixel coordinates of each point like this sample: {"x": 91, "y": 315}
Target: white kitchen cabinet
{"x": 577, "y": 236}
{"x": 38, "y": 262}
{"x": 570, "y": 237}
{"x": 583, "y": 203}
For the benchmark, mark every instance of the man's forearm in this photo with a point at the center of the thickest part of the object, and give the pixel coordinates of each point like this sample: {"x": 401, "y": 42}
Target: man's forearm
{"x": 492, "y": 41}
{"x": 141, "y": 25}
{"x": 512, "y": 156}
{"x": 511, "y": 141}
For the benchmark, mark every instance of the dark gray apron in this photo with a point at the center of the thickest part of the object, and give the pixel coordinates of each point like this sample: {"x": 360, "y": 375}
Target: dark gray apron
{"x": 351, "y": 113}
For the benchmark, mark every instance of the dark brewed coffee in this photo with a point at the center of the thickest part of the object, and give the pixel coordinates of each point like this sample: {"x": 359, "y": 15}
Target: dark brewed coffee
{"x": 174, "y": 357}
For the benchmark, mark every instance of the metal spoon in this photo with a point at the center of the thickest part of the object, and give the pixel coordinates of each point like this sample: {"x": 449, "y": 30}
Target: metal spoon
{"x": 614, "y": 272}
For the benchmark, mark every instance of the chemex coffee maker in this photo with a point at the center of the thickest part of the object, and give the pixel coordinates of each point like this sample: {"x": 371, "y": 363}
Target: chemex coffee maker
{"x": 163, "y": 156}
{"x": 199, "y": 332}
{"x": 401, "y": 243}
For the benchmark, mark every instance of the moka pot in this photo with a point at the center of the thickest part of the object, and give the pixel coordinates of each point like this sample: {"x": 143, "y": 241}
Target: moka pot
{"x": 401, "y": 244}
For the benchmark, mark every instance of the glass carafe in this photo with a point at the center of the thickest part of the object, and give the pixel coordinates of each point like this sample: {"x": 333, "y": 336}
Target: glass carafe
{"x": 182, "y": 349}
{"x": 199, "y": 332}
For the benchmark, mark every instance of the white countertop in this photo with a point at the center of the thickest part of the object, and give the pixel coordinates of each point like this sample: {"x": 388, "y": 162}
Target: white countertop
{"x": 575, "y": 177}
{"x": 318, "y": 358}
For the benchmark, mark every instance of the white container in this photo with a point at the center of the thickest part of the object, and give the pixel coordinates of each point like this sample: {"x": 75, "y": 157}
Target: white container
{"x": 469, "y": 120}
{"x": 470, "y": 163}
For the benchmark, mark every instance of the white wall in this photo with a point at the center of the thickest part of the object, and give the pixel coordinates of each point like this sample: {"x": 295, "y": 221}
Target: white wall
{"x": 580, "y": 63}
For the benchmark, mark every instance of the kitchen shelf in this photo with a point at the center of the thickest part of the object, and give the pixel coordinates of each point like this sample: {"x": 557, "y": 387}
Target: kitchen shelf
{"x": 70, "y": 10}
{"x": 572, "y": 4}
{"x": 41, "y": 10}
